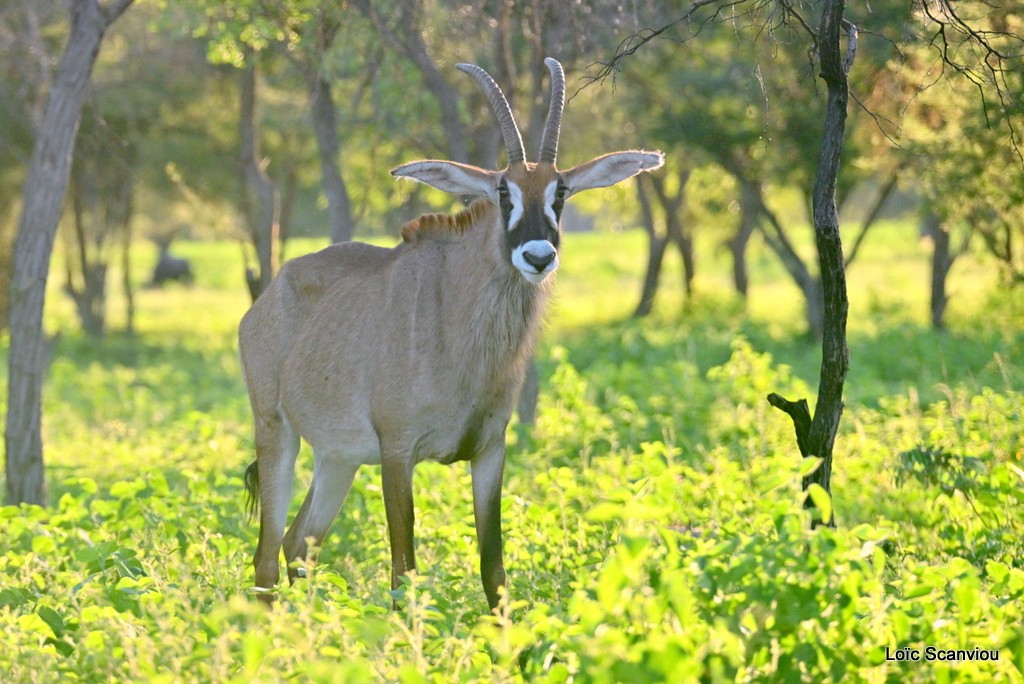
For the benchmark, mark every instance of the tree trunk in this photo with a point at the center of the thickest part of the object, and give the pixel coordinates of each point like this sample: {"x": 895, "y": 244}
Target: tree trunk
{"x": 446, "y": 96}
{"x": 942, "y": 262}
{"x": 671, "y": 206}
{"x": 259, "y": 200}
{"x": 749, "y": 191}
{"x": 102, "y": 183}
{"x": 410, "y": 43}
{"x": 489, "y": 141}
{"x": 817, "y": 438}
{"x": 89, "y": 295}
{"x": 527, "y": 404}
{"x": 43, "y": 199}
{"x": 325, "y": 126}
{"x": 810, "y": 287}
{"x": 655, "y": 257}
{"x": 126, "y": 281}
{"x": 814, "y": 306}
{"x": 655, "y": 252}
{"x": 685, "y": 244}
{"x": 6, "y": 252}
{"x": 122, "y": 209}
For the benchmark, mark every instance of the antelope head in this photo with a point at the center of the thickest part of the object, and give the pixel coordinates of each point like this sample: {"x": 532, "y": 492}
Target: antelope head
{"x": 529, "y": 196}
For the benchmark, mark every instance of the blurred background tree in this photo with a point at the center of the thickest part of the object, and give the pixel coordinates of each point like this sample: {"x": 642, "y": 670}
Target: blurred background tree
{"x": 45, "y": 188}
{"x": 953, "y": 121}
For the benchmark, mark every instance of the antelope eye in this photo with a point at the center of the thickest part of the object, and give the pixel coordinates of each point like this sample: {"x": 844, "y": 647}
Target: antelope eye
{"x": 560, "y": 192}
{"x": 503, "y": 191}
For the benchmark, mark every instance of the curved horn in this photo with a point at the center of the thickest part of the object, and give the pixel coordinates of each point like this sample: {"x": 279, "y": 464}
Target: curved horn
{"x": 549, "y": 140}
{"x": 509, "y": 130}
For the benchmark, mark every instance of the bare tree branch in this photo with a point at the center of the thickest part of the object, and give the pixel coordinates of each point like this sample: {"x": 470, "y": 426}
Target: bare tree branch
{"x": 632, "y": 43}
{"x": 988, "y": 64}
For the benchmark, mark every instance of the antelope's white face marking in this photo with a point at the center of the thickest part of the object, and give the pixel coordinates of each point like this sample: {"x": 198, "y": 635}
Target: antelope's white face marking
{"x": 549, "y": 203}
{"x": 536, "y": 260}
{"x": 515, "y": 196}
{"x": 530, "y": 207}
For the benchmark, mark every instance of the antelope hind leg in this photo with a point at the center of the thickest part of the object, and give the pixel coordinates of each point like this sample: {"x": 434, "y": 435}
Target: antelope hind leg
{"x": 332, "y": 479}
{"x": 276, "y": 448}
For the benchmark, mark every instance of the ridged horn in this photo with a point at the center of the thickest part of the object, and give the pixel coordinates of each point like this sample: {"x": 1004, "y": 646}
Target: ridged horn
{"x": 509, "y": 130}
{"x": 549, "y": 140}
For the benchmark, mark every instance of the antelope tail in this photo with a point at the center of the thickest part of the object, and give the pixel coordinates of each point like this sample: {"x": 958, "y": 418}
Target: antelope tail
{"x": 252, "y": 488}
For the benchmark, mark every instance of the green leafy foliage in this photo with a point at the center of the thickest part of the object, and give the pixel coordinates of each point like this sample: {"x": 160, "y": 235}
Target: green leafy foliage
{"x": 655, "y": 530}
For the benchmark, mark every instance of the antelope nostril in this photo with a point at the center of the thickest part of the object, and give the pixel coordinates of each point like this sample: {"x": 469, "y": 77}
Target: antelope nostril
{"x": 538, "y": 261}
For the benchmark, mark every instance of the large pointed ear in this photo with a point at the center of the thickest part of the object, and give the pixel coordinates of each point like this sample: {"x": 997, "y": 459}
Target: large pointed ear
{"x": 610, "y": 169}
{"x": 458, "y": 179}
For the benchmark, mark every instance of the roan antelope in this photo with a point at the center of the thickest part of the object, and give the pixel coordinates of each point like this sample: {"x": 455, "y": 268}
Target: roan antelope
{"x": 396, "y": 356}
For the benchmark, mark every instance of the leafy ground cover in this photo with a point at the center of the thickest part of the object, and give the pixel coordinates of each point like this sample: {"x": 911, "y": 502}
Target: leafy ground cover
{"x": 654, "y": 528}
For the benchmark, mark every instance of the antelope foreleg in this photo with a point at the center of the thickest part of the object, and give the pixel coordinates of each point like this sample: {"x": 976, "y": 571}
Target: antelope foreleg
{"x": 488, "y": 470}
{"x": 396, "y": 481}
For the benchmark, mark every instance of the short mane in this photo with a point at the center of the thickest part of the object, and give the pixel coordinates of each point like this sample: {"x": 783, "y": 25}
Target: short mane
{"x": 444, "y": 227}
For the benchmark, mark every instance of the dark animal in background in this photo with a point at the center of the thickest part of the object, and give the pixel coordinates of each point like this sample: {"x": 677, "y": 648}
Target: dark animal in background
{"x": 170, "y": 268}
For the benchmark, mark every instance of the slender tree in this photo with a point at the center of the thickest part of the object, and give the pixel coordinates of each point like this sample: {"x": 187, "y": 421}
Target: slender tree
{"x": 309, "y": 47}
{"x": 259, "y": 194}
{"x": 26, "y": 72}
{"x": 675, "y": 232}
{"x": 43, "y": 199}
{"x": 103, "y": 178}
{"x": 815, "y": 435}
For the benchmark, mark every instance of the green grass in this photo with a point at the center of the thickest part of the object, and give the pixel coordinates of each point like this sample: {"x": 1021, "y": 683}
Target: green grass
{"x": 654, "y": 528}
